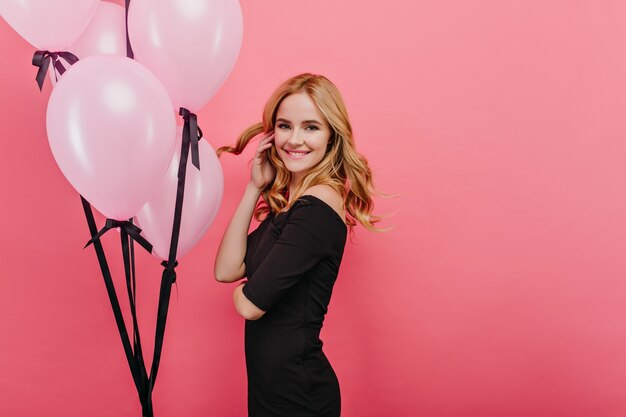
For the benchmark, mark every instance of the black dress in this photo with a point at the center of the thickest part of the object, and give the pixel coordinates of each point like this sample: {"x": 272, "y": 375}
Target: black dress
{"x": 292, "y": 260}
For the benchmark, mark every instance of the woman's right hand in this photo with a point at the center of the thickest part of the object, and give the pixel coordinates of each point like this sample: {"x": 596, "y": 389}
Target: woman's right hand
{"x": 262, "y": 171}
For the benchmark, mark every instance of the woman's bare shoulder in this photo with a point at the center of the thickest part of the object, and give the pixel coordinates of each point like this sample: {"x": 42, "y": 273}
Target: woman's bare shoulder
{"x": 328, "y": 195}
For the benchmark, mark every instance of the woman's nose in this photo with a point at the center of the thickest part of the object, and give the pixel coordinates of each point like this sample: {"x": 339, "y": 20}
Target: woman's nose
{"x": 295, "y": 138}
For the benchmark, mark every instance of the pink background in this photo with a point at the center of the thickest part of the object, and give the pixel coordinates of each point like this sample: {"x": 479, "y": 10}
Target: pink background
{"x": 501, "y": 290}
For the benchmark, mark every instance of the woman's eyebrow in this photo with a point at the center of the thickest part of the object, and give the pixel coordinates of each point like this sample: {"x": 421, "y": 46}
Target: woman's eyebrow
{"x": 312, "y": 121}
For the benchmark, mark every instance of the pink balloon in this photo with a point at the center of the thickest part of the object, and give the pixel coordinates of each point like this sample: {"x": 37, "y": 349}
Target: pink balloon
{"x": 203, "y": 196}
{"x": 112, "y": 132}
{"x": 105, "y": 34}
{"x": 191, "y": 45}
{"x": 46, "y": 24}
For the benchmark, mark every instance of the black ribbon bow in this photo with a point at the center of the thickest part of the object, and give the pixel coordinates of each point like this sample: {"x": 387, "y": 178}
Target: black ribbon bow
{"x": 42, "y": 60}
{"x": 192, "y": 131}
{"x": 132, "y": 230}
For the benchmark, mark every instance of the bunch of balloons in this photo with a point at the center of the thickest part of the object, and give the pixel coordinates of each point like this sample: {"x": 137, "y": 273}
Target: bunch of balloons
{"x": 111, "y": 120}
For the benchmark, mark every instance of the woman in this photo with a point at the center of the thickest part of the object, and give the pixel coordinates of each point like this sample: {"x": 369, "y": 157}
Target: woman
{"x": 314, "y": 187}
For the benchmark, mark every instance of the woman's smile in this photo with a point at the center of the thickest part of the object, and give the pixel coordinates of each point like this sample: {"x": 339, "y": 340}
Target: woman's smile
{"x": 296, "y": 154}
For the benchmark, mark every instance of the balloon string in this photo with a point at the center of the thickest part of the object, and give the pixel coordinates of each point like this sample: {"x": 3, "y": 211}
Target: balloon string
{"x": 169, "y": 274}
{"x": 137, "y": 368}
{"x": 129, "y": 49}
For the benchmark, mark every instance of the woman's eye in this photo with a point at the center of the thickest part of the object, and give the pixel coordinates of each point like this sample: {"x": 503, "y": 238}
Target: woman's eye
{"x": 283, "y": 126}
{"x": 311, "y": 127}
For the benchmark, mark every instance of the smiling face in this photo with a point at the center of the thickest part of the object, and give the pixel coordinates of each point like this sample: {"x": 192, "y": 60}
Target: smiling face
{"x": 301, "y": 134}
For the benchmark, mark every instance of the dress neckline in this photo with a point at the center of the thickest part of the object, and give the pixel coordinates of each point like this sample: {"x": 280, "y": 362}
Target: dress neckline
{"x": 313, "y": 198}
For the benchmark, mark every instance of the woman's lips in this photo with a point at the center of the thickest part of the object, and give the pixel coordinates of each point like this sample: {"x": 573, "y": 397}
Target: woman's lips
{"x": 296, "y": 154}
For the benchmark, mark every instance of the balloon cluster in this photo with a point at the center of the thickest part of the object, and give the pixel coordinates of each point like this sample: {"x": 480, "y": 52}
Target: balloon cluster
{"x": 111, "y": 120}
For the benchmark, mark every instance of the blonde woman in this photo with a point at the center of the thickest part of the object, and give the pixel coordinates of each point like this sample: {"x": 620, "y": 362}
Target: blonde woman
{"x": 314, "y": 188}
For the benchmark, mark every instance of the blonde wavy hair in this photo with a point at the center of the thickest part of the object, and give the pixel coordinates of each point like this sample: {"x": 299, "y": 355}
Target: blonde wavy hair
{"x": 342, "y": 168}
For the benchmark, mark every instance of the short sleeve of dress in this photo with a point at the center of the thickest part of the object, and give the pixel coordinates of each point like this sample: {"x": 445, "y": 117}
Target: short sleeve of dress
{"x": 305, "y": 239}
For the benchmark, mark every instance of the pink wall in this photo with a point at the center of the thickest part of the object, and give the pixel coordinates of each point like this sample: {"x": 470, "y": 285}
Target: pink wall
{"x": 501, "y": 290}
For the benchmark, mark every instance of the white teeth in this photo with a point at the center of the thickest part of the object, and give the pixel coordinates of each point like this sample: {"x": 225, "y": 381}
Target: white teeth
{"x": 296, "y": 153}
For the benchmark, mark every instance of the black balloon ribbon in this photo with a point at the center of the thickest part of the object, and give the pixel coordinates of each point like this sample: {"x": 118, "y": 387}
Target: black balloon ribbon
{"x": 128, "y": 233}
{"x": 191, "y": 136}
{"x": 129, "y": 48}
{"x": 42, "y": 60}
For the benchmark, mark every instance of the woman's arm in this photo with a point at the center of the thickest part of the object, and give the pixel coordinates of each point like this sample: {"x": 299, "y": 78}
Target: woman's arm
{"x": 229, "y": 262}
{"x": 245, "y": 307}
{"x": 305, "y": 241}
